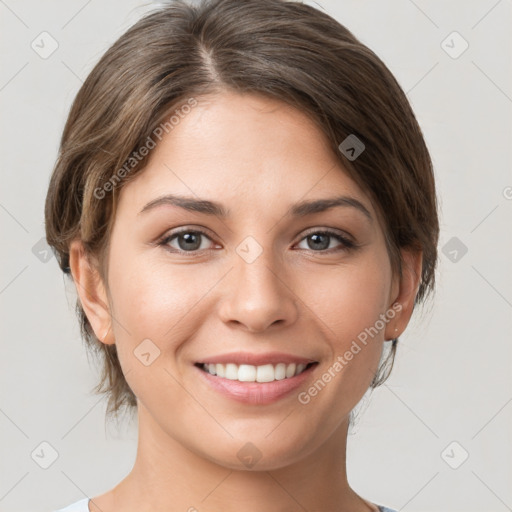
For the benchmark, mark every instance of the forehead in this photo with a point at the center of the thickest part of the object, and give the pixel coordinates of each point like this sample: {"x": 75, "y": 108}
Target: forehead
{"x": 243, "y": 147}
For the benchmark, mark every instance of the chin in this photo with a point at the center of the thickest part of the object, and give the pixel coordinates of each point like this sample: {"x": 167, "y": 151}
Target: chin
{"x": 259, "y": 455}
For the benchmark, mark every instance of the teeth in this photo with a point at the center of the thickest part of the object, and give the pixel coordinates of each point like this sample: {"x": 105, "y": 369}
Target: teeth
{"x": 247, "y": 373}
{"x": 280, "y": 371}
{"x": 231, "y": 371}
{"x": 250, "y": 373}
{"x": 265, "y": 373}
{"x": 218, "y": 369}
{"x": 290, "y": 370}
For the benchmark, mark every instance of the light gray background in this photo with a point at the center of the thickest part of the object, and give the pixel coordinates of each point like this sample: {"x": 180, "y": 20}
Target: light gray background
{"x": 452, "y": 376}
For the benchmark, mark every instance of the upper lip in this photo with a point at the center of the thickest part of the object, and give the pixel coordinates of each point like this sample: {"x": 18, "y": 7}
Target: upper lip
{"x": 239, "y": 358}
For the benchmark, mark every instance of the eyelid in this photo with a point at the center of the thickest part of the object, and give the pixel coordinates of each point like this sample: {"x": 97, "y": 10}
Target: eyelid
{"x": 187, "y": 229}
{"x": 330, "y": 231}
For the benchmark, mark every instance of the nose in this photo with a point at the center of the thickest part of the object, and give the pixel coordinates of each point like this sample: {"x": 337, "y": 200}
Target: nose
{"x": 258, "y": 294}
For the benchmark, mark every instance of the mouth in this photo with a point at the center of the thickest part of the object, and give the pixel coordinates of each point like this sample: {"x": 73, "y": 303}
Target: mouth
{"x": 255, "y": 379}
{"x": 252, "y": 373}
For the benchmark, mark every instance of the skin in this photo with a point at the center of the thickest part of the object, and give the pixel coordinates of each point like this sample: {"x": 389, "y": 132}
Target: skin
{"x": 256, "y": 156}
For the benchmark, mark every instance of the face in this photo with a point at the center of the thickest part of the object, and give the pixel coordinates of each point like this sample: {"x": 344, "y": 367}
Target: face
{"x": 253, "y": 287}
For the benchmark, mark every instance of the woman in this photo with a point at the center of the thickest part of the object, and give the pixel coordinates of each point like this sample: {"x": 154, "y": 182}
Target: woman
{"x": 246, "y": 205}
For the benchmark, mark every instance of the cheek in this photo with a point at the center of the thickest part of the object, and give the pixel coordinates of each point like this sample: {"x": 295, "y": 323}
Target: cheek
{"x": 150, "y": 309}
{"x": 150, "y": 301}
{"x": 350, "y": 304}
{"x": 349, "y": 298}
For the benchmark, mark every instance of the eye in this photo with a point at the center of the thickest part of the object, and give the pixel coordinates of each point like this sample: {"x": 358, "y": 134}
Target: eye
{"x": 320, "y": 241}
{"x": 186, "y": 240}
{"x": 191, "y": 241}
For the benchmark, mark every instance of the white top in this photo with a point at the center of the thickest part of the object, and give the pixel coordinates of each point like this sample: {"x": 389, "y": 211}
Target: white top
{"x": 83, "y": 506}
{"x": 77, "y": 506}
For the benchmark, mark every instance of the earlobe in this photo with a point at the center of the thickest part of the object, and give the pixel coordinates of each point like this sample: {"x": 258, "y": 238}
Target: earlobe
{"x": 403, "y": 302}
{"x": 91, "y": 292}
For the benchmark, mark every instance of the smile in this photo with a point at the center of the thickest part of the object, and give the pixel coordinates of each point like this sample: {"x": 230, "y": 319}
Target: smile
{"x": 251, "y": 373}
{"x": 256, "y": 384}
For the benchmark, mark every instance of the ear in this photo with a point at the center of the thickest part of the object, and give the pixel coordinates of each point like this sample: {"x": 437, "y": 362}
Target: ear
{"x": 404, "y": 292}
{"x": 91, "y": 291}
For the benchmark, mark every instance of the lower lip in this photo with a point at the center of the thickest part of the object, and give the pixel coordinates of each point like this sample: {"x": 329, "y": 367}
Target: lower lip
{"x": 258, "y": 393}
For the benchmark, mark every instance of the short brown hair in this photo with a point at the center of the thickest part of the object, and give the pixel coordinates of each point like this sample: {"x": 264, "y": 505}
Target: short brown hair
{"x": 283, "y": 49}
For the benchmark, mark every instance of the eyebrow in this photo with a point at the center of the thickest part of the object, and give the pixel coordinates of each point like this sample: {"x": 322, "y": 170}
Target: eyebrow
{"x": 320, "y": 205}
{"x": 300, "y": 209}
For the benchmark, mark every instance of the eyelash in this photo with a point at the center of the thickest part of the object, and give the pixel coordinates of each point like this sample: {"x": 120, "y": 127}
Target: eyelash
{"x": 348, "y": 245}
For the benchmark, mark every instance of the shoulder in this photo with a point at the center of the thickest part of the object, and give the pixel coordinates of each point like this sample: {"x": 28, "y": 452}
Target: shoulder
{"x": 78, "y": 506}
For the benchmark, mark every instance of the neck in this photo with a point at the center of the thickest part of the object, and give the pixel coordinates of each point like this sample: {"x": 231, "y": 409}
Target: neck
{"x": 167, "y": 476}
